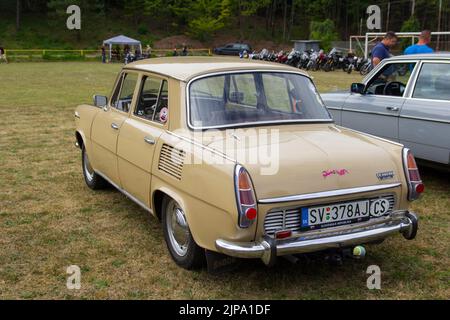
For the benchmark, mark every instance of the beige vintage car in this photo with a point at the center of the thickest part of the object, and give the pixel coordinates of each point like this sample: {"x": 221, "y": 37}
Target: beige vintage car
{"x": 241, "y": 158}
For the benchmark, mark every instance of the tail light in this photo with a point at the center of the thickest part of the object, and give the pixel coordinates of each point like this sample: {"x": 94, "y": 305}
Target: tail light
{"x": 245, "y": 196}
{"x": 415, "y": 185}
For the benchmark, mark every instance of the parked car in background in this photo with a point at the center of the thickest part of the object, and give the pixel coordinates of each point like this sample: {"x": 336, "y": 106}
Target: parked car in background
{"x": 233, "y": 49}
{"x": 329, "y": 187}
{"x": 404, "y": 99}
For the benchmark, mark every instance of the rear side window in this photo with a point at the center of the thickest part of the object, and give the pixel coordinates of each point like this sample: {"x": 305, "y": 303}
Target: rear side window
{"x": 123, "y": 94}
{"x": 153, "y": 100}
{"x": 433, "y": 82}
{"x": 148, "y": 97}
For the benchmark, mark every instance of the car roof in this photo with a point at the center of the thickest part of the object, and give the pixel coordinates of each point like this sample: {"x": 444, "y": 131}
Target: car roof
{"x": 186, "y": 68}
{"x": 424, "y": 56}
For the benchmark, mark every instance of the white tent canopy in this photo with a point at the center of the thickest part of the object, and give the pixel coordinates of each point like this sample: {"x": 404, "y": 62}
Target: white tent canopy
{"x": 122, "y": 40}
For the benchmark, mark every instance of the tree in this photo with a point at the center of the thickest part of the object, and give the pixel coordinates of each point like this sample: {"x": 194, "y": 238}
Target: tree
{"x": 208, "y": 16}
{"x": 324, "y": 31}
{"x": 18, "y": 11}
{"x": 410, "y": 25}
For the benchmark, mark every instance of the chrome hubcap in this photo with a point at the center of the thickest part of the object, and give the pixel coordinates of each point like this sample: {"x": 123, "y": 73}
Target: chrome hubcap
{"x": 177, "y": 228}
{"x": 89, "y": 172}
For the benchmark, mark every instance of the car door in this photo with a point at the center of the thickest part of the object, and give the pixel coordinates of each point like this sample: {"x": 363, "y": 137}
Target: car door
{"x": 425, "y": 117}
{"x": 377, "y": 110}
{"x": 107, "y": 124}
{"x": 139, "y": 135}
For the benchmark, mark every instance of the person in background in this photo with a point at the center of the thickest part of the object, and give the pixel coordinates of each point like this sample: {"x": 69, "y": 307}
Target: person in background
{"x": 422, "y": 45}
{"x": 175, "y": 52}
{"x": 3, "y": 54}
{"x": 137, "y": 54}
{"x": 148, "y": 51}
{"x": 185, "y": 50}
{"x": 103, "y": 54}
{"x": 117, "y": 53}
{"x": 382, "y": 50}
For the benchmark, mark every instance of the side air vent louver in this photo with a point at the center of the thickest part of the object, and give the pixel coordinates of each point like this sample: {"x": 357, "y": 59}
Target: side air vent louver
{"x": 171, "y": 161}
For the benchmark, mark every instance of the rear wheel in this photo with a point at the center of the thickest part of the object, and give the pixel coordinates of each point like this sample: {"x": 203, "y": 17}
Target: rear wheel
{"x": 93, "y": 180}
{"x": 182, "y": 247}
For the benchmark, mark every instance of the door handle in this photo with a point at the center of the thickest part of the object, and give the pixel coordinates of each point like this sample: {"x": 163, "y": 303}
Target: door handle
{"x": 149, "y": 140}
{"x": 392, "y": 108}
{"x": 114, "y": 126}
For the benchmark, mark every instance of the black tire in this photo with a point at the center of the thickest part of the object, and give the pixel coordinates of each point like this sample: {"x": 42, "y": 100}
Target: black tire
{"x": 92, "y": 179}
{"x": 193, "y": 256}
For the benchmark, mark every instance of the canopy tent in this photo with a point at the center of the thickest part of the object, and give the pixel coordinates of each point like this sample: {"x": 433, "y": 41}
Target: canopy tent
{"x": 121, "y": 40}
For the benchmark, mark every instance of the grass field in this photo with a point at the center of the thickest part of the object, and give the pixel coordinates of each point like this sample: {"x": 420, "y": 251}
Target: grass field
{"x": 49, "y": 219}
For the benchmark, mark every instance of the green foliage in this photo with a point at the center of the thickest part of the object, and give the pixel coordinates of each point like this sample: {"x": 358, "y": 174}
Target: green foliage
{"x": 142, "y": 29}
{"x": 325, "y": 31}
{"x": 208, "y": 16}
{"x": 410, "y": 25}
{"x": 202, "y": 28}
{"x": 43, "y": 21}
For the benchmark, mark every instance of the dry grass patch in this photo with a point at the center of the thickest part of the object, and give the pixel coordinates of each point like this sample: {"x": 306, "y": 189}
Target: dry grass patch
{"x": 49, "y": 219}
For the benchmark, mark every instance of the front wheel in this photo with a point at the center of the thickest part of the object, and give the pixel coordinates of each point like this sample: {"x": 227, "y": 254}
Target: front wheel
{"x": 182, "y": 247}
{"x": 93, "y": 180}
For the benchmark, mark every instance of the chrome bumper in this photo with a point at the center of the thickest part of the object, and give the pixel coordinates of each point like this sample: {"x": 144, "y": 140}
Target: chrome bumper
{"x": 269, "y": 248}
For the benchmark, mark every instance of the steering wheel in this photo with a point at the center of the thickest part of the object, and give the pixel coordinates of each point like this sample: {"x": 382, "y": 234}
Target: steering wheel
{"x": 392, "y": 87}
{"x": 150, "y": 110}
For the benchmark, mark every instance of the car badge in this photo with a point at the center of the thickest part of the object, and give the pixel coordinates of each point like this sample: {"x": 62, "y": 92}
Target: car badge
{"x": 339, "y": 172}
{"x": 385, "y": 175}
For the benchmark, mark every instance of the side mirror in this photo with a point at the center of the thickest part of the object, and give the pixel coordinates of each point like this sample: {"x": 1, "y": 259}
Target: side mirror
{"x": 357, "y": 88}
{"x": 100, "y": 101}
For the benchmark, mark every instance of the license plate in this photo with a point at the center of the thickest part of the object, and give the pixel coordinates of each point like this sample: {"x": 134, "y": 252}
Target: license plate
{"x": 343, "y": 213}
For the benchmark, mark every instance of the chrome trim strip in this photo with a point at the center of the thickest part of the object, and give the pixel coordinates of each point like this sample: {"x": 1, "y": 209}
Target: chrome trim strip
{"x": 326, "y": 194}
{"x": 259, "y": 123}
{"x": 372, "y": 136}
{"x": 396, "y": 114}
{"x": 413, "y": 80}
{"x": 426, "y": 119}
{"x": 235, "y": 125}
{"x": 138, "y": 202}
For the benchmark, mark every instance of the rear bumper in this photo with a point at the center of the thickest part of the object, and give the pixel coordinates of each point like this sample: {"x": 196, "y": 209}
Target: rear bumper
{"x": 268, "y": 249}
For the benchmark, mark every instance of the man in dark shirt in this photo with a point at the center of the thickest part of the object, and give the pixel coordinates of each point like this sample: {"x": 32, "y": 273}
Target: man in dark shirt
{"x": 103, "y": 54}
{"x": 381, "y": 50}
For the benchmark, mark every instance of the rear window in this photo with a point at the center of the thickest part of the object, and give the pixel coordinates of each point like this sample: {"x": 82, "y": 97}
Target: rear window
{"x": 240, "y": 99}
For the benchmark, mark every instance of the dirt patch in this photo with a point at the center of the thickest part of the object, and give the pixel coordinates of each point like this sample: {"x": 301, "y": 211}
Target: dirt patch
{"x": 177, "y": 42}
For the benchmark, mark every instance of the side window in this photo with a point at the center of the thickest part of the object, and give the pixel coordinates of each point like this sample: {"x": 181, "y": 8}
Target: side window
{"x": 153, "y": 100}
{"x": 433, "y": 82}
{"x": 278, "y": 91}
{"x": 123, "y": 95}
{"x": 243, "y": 90}
{"x": 148, "y": 97}
{"x": 391, "y": 80}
